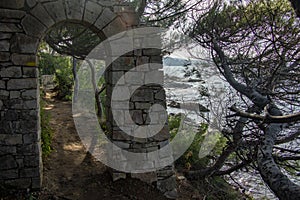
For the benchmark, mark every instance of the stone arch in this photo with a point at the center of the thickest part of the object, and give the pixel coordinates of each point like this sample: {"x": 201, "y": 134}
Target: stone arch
{"x": 23, "y": 23}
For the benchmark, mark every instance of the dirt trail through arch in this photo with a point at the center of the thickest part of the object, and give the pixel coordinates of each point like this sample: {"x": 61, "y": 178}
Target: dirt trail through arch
{"x": 69, "y": 173}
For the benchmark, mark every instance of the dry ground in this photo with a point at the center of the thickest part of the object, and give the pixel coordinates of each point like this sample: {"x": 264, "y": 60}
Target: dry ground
{"x": 70, "y": 173}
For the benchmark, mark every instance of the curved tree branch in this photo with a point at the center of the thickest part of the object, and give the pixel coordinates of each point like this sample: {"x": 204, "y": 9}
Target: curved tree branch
{"x": 268, "y": 118}
{"x": 280, "y": 184}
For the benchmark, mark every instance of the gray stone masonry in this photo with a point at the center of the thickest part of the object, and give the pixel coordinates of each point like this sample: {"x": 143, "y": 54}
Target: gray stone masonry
{"x": 23, "y": 24}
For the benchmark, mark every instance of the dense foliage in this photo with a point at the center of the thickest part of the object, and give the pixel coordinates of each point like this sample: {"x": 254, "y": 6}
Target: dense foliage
{"x": 61, "y": 67}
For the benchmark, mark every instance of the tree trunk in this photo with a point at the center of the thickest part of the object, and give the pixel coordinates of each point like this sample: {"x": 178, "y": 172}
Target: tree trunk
{"x": 75, "y": 77}
{"x": 279, "y": 183}
{"x": 96, "y": 90}
{"x": 296, "y": 5}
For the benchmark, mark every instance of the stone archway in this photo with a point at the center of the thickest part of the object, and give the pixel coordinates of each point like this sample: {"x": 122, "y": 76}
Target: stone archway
{"x": 23, "y": 23}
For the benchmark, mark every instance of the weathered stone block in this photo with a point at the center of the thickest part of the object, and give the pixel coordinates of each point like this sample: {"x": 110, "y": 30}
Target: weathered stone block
{"x": 163, "y": 143}
{"x": 135, "y": 78}
{"x": 165, "y": 172}
{"x": 142, "y": 106}
{"x": 4, "y": 36}
{"x": 7, "y": 162}
{"x": 161, "y": 95}
{"x": 56, "y": 10}
{"x": 4, "y": 56}
{"x": 153, "y": 40}
{"x": 137, "y": 52}
{"x": 137, "y": 116}
{"x": 155, "y": 77}
{"x": 15, "y": 4}
{"x": 6, "y": 139}
{"x": 9, "y": 27}
{"x": 9, "y": 174}
{"x": 8, "y": 149}
{"x": 145, "y": 164}
{"x": 22, "y": 43}
{"x": 11, "y": 72}
{"x": 156, "y": 59}
{"x": 166, "y": 152}
{"x": 121, "y": 46}
{"x": 14, "y": 95}
{"x": 167, "y": 184}
{"x": 163, "y": 135}
{"x": 30, "y": 72}
{"x": 31, "y": 3}
{"x": 122, "y": 93}
{"x": 30, "y": 104}
{"x": 27, "y": 150}
{"x": 107, "y": 16}
{"x": 16, "y": 104}
{"x": 122, "y": 105}
{"x": 130, "y": 18}
{"x": 123, "y": 63}
{"x": 106, "y": 3}
{"x": 117, "y": 77}
{"x": 149, "y": 177}
{"x": 33, "y": 27}
{"x": 119, "y": 117}
{"x": 2, "y": 84}
{"x": 23, "y": 183}
{"x": 92, "y": 11}
{"x": 40, "y": 13}
{"x": 123, "y": 145}
{"x": 11, "y": 14}
{"x": 19, "y": 84}
{"x": 28, "y": 126}
{"x": 151, "y": 52}
{"x": 11, "y": 115}
{"x": 151, "y": 149}
{"x": 142, "y": 68}
{"x": 29, "y": 172}
{"x": 22, "y": 59}
{"x": 30, "y": 138}
{"x": 36, "y": 183}
{"x": 120, "y": 135}
{"x": 142, "y": 60}
{"x": 4, "y": 45}
{"x": 29, "y": 94}
{"x": 75, "y": 9}
{"x": 20, "y": 162}
{"x": 114, "y": 27}
{"x": 4, "y": 94}
{"x": 143, "y": 95}
{"x": 164, "y": 161}
{"x": 7, "y": 126}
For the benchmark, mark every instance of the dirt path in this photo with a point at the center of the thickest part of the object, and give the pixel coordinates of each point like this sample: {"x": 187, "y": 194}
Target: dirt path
{"x": 70, "y": 173}
{"x": 68, "y": 169}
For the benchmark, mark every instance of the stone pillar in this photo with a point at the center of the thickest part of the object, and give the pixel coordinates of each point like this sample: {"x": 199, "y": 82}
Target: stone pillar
{"x": 20, "y": 154}
{"x": 133, "y": 70}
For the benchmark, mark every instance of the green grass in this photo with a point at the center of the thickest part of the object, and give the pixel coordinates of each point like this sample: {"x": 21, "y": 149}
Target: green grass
{"x": 46, "y": 130}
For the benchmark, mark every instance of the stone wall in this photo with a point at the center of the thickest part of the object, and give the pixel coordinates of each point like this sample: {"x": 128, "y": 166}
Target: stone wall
{"x": 23, "y": 23}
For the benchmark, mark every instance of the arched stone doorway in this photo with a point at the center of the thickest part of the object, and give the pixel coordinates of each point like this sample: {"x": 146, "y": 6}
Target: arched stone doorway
{"x": 23, "y": 23}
